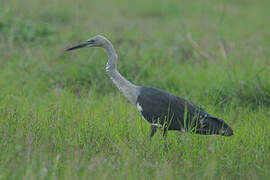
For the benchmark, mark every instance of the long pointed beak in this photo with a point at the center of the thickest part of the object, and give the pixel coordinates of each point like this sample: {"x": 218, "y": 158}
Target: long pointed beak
{"x": 81, "y": 45}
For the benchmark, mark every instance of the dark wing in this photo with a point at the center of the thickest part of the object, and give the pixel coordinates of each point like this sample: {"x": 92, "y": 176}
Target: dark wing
{"x": 158, "y": 106}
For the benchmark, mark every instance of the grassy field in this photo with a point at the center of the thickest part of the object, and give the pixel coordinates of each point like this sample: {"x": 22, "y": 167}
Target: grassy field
{"x": 62, "y": 118}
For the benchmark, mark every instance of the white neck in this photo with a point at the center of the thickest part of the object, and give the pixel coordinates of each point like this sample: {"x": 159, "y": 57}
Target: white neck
{"x": 129, "y": 90}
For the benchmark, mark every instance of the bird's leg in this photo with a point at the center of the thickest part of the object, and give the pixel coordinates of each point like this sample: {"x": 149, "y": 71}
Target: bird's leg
{"x": 165, "y": 132}
{"x": 153, "y": 130}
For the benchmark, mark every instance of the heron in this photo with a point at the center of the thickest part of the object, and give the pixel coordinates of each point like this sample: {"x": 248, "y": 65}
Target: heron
{"x": 159, "y": 108}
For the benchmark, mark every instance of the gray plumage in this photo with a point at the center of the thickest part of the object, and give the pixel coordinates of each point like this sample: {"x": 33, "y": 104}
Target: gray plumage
{"x": 160, "y": 108}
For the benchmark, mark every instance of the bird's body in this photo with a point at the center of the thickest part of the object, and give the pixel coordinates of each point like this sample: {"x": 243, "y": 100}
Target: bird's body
{"x": 158, "y": 107}
{"x": 161, "y": 108}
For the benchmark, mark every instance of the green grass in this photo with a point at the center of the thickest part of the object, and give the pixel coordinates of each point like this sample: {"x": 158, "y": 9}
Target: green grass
{"x": 62, "y": 118}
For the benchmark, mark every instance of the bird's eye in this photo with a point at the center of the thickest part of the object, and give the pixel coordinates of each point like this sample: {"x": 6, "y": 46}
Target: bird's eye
{"x": 91, "y": 41}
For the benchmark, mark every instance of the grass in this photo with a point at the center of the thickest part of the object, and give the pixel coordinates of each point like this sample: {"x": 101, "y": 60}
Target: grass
{"x": 62, "y": 118}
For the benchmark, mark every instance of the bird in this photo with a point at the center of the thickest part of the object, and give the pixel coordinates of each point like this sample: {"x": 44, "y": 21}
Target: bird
{"x": 159, "y": 108}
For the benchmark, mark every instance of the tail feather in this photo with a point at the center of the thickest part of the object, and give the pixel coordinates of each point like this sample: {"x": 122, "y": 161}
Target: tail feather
{"x": 212, "y": 125}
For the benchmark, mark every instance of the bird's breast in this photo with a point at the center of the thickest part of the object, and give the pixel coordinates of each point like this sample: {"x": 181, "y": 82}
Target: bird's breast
{"x": 139, "y": 107}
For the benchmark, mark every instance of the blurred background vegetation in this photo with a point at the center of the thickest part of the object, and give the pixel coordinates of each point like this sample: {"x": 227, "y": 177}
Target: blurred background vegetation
{"x": 61, "y": 116}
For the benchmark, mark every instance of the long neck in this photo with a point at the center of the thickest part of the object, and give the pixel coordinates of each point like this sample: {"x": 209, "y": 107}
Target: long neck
{"x": 129, "y": 90}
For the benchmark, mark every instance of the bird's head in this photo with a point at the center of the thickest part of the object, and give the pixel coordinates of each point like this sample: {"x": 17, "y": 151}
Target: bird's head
{"x": 96, "y": 41}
